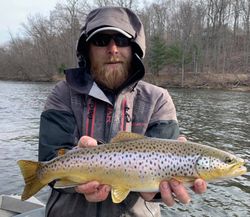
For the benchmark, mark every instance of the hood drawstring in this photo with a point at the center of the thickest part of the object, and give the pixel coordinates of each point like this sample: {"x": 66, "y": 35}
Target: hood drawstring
{"x": 90, "y": 121}
{"x": 127, "y": 115}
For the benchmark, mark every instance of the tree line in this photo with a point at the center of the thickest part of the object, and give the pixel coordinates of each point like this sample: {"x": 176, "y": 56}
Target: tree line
{"x": 202, "y": 36}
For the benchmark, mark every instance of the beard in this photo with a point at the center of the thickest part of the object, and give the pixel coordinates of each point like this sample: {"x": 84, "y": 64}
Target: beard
{"x": 111, "y": 76}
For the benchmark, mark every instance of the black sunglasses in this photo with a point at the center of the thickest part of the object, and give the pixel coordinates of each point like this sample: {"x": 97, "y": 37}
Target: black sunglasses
{"x": 102, "y": 40}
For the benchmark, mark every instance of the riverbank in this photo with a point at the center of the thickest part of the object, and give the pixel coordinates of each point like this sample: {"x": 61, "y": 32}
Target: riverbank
{"x": 226, "y": 81}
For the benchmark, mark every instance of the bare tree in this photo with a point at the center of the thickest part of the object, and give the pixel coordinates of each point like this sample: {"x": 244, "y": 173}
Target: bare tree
{"x": 204, "y": 35}
{"x": 121, "y": 3}
{"x": 245, "y": 4}
{"x": 66, "y": 19}
{"x": 39, "y": 30}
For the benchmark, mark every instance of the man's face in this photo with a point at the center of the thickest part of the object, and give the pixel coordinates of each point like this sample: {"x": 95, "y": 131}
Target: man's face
{"x": 110, "y": 58}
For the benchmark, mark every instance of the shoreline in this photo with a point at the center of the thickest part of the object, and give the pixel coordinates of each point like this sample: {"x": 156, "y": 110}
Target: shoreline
{"x": 236, "y": 89}
{"x": 229, "y": 82}
{"x": 164, "y": 81}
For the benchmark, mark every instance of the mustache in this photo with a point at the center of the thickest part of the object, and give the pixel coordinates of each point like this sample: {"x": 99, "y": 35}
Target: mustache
{"x": 114, "y": 59}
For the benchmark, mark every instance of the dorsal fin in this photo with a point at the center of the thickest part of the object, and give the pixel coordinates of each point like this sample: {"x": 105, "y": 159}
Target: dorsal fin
{"x": 61, "y": 152}
{"x": 126, "y": 136}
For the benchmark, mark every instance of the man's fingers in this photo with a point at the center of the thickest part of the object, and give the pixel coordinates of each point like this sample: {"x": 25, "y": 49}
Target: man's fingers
{"x": 180, "y": 192}
{"x": 100, "y": 194}
{"x": 171, "y": 190}
{"x": 88, "y": 188}
{"x": 93, "y": 191}
{"x": 200, "y": 186}
{"x": 86, "y": 141}
{"x": 182, "y": 138}
{"x": 166, "y": 193}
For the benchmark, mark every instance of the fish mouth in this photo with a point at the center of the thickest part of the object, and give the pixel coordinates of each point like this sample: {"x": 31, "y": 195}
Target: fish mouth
{"x": 239, "y": 169}
{"x": 243, "y": 169}
{"x": 227, "y": 172}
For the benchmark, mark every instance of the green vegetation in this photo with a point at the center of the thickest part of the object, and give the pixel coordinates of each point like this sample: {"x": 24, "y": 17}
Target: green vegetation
{"x": 157, "y": 54}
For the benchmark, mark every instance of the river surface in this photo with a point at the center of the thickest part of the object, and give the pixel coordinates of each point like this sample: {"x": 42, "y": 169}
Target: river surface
{"x": 216, "y": 118}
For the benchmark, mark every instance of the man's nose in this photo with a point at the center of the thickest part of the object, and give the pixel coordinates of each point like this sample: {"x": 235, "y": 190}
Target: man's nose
{"x": 112, "y": 47}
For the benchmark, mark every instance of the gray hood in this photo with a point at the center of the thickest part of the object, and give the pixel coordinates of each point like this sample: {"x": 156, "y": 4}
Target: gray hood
{"x": 118, "y": 17}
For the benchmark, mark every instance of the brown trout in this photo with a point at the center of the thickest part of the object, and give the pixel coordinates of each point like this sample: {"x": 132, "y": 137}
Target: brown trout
{"x": 132, "y": 162}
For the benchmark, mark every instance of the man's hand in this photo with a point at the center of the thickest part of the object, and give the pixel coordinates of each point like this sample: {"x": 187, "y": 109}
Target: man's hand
{"x": 171, "y": 190}
{"x": 93, "y": 191}
{"x": 173, "y": 187}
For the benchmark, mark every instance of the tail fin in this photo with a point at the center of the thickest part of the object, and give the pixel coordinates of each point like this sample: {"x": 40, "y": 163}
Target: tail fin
{"x": 32, "y": 183}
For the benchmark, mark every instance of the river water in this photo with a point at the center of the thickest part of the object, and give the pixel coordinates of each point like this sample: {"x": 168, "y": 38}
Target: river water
{"x": 212, "y": 117}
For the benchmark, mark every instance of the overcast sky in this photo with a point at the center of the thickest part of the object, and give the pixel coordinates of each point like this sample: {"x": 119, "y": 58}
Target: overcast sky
{"x": 15, "y": 12}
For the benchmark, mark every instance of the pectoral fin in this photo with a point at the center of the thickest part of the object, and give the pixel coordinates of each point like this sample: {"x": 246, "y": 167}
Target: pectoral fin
{"x": 118, "y": 194}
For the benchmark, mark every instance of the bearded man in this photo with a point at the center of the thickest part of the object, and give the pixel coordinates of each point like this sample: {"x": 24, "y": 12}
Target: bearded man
{"x": 101, "y": 97}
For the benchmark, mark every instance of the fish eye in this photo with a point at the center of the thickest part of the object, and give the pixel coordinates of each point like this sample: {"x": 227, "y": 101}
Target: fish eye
{"x": 228, "y": 160}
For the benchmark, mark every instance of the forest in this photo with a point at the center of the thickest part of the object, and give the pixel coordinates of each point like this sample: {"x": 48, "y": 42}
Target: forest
{"x": 189, "y": 42}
